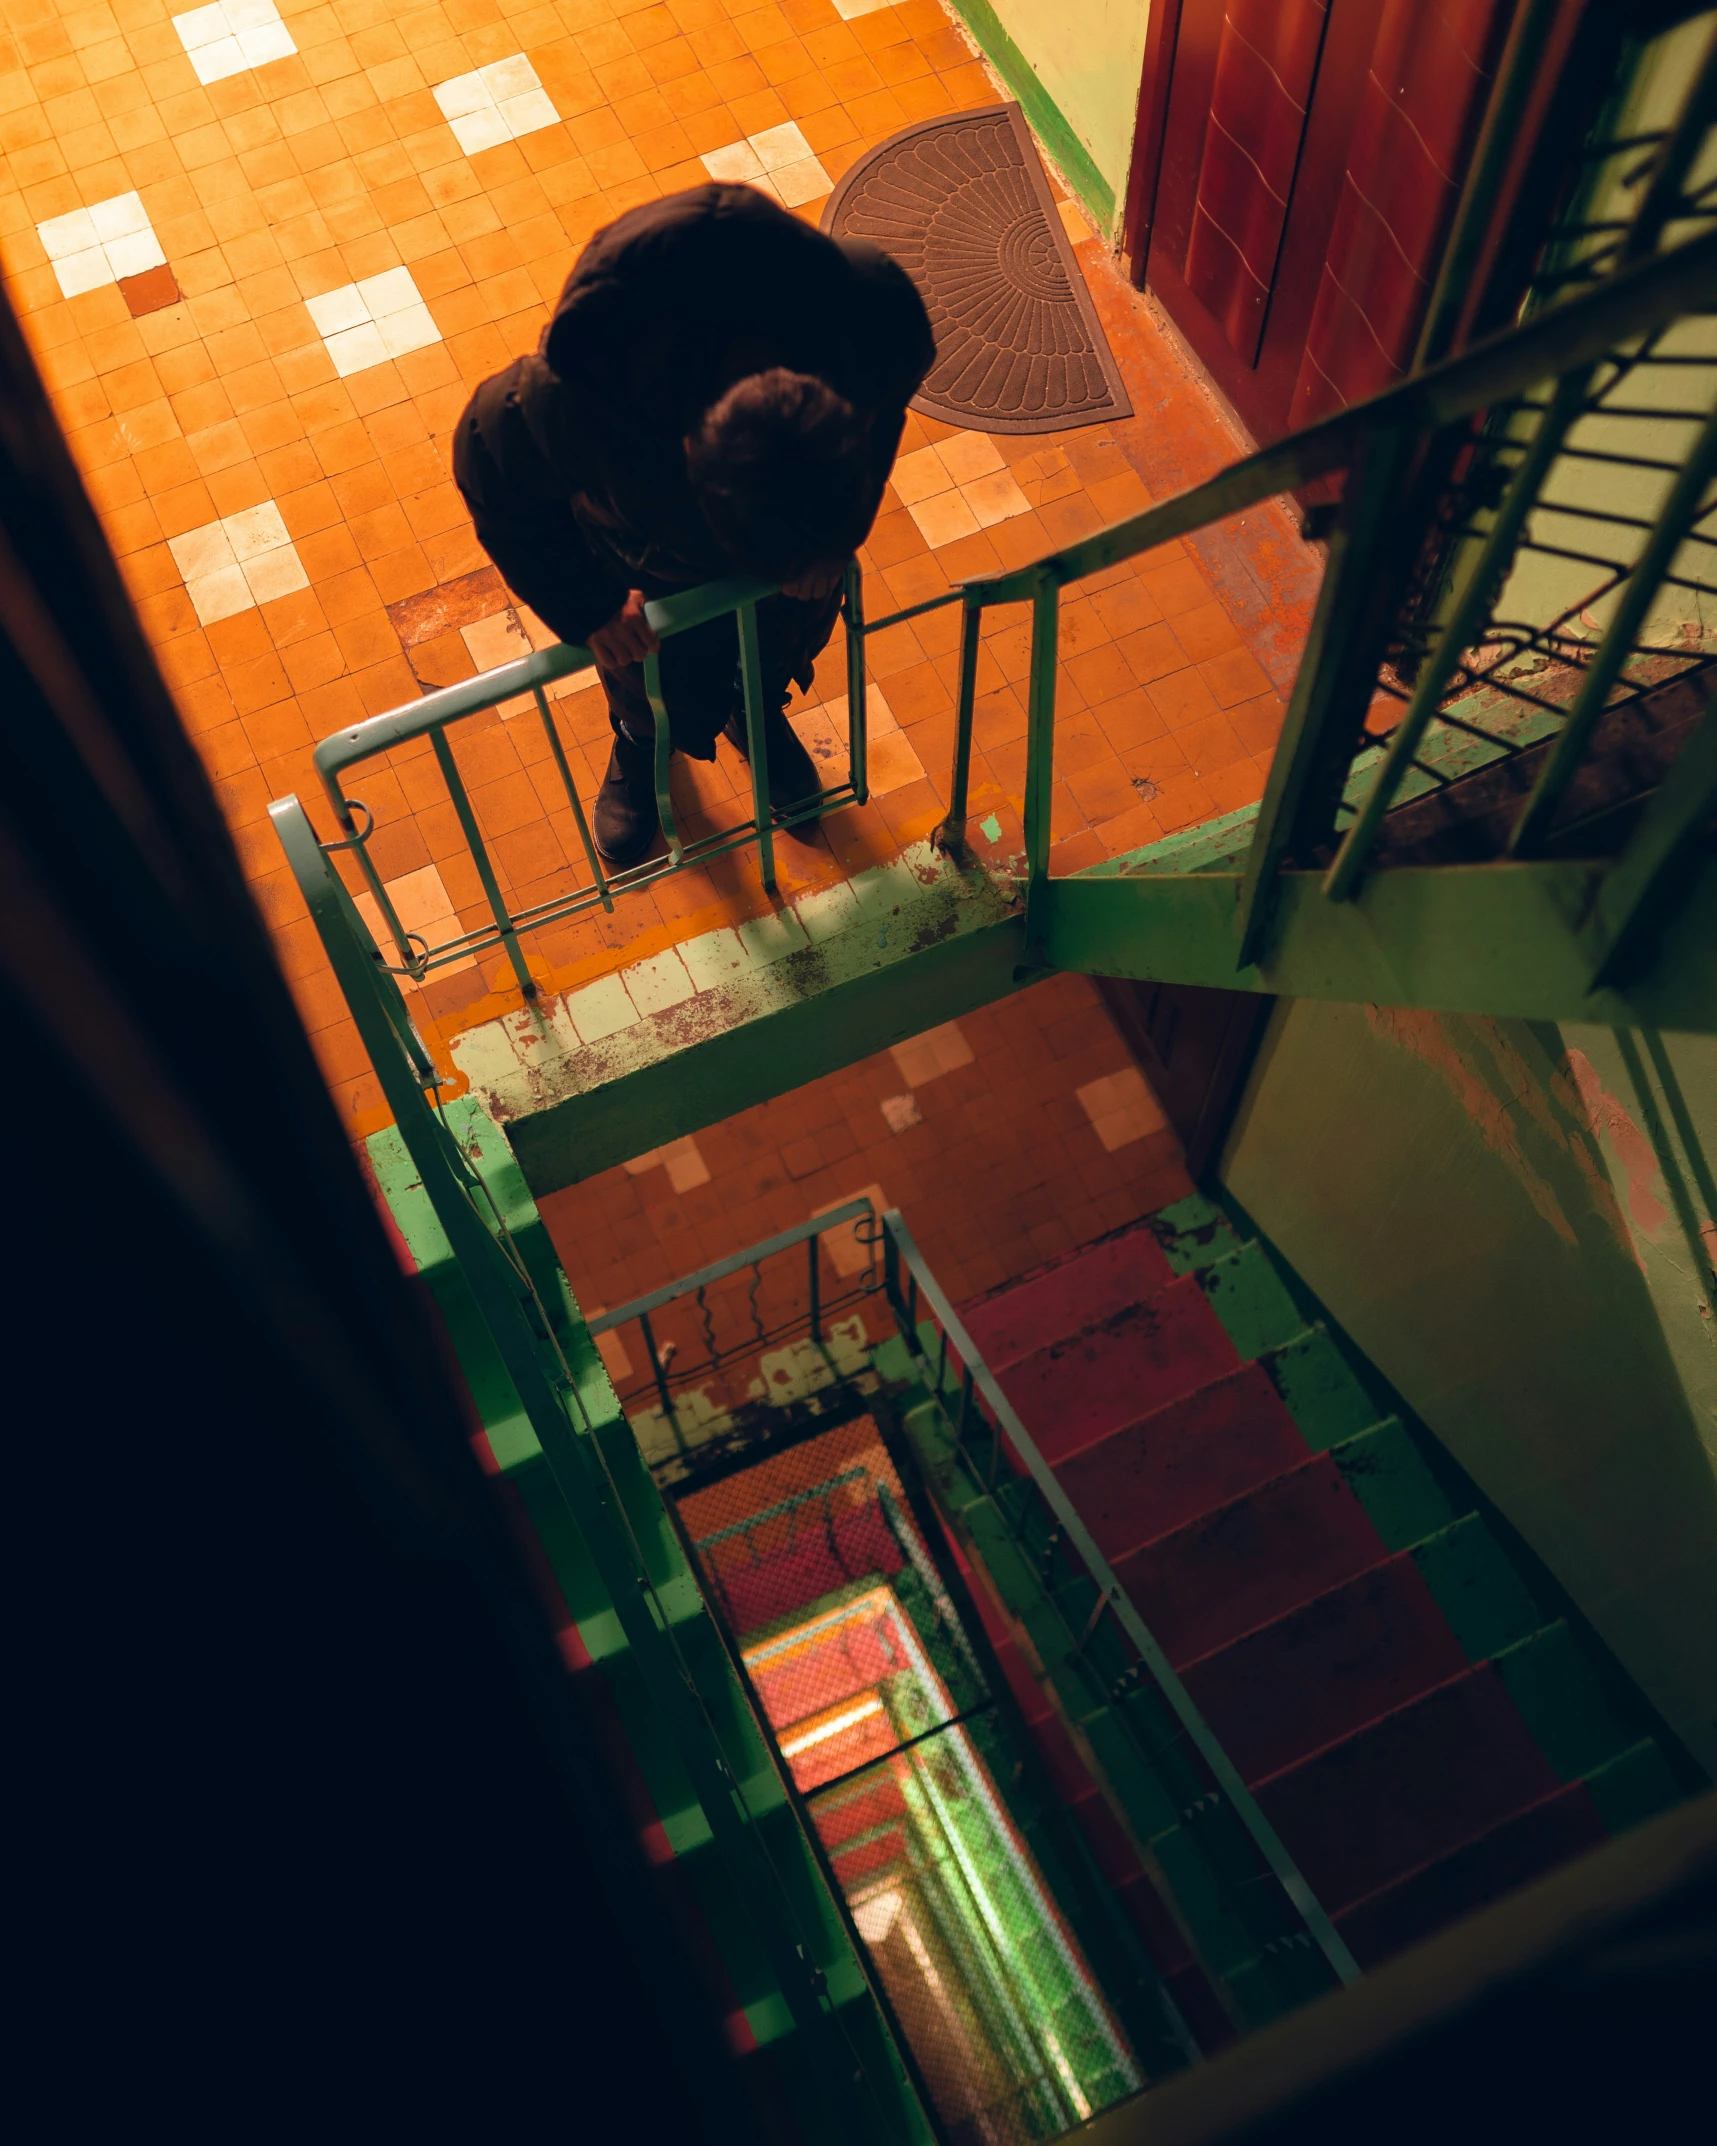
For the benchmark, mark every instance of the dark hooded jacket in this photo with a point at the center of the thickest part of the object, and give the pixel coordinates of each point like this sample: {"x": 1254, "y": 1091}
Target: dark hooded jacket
{"x": 572, "y": 461}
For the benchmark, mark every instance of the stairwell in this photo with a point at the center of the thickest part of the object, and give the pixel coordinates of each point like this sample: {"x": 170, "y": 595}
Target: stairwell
{"x": 1421, "y": 1728}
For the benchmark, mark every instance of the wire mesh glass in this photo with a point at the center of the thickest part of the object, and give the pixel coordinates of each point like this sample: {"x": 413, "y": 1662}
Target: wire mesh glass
{"x": 886, "y": 1723}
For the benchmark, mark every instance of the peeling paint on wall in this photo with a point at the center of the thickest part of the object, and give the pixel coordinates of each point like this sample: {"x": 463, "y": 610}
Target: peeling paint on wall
{"x": 1633, "y": 1150}
{"x": 1430, "y": 1038}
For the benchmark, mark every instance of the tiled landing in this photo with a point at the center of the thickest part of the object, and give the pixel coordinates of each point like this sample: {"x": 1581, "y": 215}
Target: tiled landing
{"x": 262, "y": 252}
{"x": 994, "y": 1135}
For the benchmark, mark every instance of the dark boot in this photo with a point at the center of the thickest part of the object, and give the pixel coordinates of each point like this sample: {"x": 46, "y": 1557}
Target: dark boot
{"x": 793, "y": 776}
{"x": 625, "y": 821}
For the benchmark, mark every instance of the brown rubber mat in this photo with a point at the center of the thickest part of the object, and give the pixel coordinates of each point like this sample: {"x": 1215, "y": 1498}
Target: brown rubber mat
{"x": 962, "y": 203}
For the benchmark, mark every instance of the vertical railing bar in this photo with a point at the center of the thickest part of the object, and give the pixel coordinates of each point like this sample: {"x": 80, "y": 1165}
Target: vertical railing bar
{"x": 662, "y": 751}
{"x": 661, "y": 1378}
{"x": 1680, "y": 510}
{"x": 751, "y": 685}
{"x": 959, "y": 789}
{"x": 813, "y": 1246}
{"x": 1040, "y": 746}
{"x": 1492, "y": 564}
{"x": 359, "y": 847}
{"x": 480, "y": 857}
{"x": 592, "y": 855}
{"x": 858, "y": 709}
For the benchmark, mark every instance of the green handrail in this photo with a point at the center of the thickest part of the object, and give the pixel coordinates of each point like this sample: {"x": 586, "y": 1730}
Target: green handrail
{"x": 435, "y": 716}
{"x": 901, "y": 1249}
{"x": 522, "y": 1328}
{"x": 1561, "y": 343}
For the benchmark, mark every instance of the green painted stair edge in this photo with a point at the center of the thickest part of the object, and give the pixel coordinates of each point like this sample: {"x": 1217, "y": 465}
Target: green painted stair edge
{"x": 1490, "y": 1607}
{"x": 1190, "y": 1843}
{"x": 518, "y": 1456}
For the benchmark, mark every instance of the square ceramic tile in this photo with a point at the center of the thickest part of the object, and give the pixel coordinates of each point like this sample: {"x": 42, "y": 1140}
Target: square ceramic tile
{"x": 237, "y": 563}
{"x": 684, "y": 1164}
{"x": 600, "y": 1009}
{"x": 365, "y": 324}
{"x": 658, "y": 983}
{"x": 901, "y": 1111}
{"x": 966, "y": 456}
{"x": 494, "y": 104}
{"x": 957, "y": 487}
{"x": 232, "y": 37}
{"x": 1121, "y": 1108}
{"x": 425, "y": 910}
{"x": 944, "y": 519}
{"x": 996, "y": 498}
{"x": 937, "y": 1051}
{"x": 101, "y": 244}
{"x": 611, "y": 1349}
{"x": 779, "y": 161}
{"x": 736, "y": 165}
{"x": 849, "y": 10}
{"x": 496, "y": 640}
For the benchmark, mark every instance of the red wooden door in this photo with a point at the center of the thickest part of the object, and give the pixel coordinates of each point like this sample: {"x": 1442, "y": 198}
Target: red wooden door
{"x": 1312, "y": 153}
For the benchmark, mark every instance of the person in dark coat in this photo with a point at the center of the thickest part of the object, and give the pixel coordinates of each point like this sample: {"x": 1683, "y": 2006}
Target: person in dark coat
{"x": 721, "y": 389}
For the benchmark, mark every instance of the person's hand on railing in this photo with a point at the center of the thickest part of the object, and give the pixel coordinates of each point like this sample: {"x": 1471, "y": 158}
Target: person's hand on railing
{"x": 815, "y": 582}
{"x": 628, "y": 636}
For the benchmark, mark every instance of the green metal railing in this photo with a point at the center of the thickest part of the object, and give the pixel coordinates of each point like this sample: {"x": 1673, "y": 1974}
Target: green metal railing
{"x": 994, "y": 1447}
{"x": 540, "y": 1343}
{"x": 437, "y": 716}
{"x": 1467, "y": 464}
{"x": 1382, "y": 448}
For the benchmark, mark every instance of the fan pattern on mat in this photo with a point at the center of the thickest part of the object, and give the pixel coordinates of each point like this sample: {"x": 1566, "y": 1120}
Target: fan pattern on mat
{"x": 958, "y": 210}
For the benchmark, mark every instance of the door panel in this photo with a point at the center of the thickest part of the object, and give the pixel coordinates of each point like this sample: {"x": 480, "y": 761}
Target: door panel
{"x": 1253, "y": 339}
{"x": 1266, "y": 63}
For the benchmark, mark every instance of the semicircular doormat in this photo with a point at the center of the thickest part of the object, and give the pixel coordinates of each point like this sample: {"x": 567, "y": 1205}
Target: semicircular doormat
{"x": 963, "y": 204}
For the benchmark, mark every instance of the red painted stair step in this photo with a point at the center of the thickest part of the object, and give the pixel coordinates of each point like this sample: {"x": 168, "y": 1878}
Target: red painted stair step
{"x": 1062, "y": 1299}
{"x": 1075, "y": 1391}
{"x": 1326, "y": 1669}
{"x": 1511, "y": 1854}
{"x": 1408, "y": 1789}
{"x": 1182, "y": 1461}
{"x": 1252, "y": 1561}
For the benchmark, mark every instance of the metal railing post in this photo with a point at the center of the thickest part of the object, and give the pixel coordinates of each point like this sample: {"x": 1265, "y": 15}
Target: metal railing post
{"x": 659, "y": 1372}
{"x": 751, "y": 684}
{"x": 1040, "y": 744}
{"x": 1488, "y": 571}
{"x": 1680, "y": 511}
{"x": 592, "y": 855}
{"x": 953, "y": 829}
{"x": 661, "y": 754}
{"x": 480, "y": 857}
{"x": 858, "y": 712}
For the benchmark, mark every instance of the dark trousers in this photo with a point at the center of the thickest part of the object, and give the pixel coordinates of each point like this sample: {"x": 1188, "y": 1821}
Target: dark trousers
{"x": 700, "y": 671}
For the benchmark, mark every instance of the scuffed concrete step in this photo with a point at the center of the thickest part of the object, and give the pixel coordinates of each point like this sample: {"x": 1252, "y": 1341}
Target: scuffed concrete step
{"x": 1077, "y": 1390}
{"x": 1183, "y": 1460}
{"x": 736, "y": 1016}
{"x": 1067, "y": 1297}
{"x": 1208, "y": 1584}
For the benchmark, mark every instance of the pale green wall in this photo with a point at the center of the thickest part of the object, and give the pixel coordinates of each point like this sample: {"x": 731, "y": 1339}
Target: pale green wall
{"x": 1481, "y": 1207}
{"x": 1075, "y": 66}
{"x": 1088, "y": 54}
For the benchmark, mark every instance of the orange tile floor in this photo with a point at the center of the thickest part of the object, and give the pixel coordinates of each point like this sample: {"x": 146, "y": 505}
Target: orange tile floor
{"x": 1005, "y": 1138}
{"x": 263, "y": 252}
